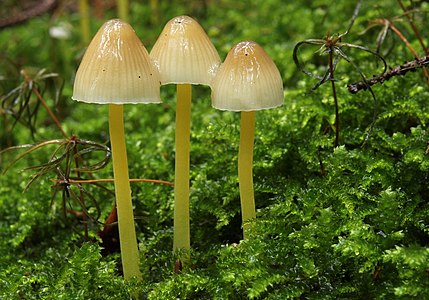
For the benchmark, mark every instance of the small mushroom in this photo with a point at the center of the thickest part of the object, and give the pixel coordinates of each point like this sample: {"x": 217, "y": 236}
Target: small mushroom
{"x": 184, "y": 55}
{"x": 247, "y": 81}
{"x": 117, "y": 69}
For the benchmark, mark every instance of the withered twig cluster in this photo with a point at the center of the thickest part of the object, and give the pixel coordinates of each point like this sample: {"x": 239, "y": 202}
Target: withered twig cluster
{"x": 400, "y": 70}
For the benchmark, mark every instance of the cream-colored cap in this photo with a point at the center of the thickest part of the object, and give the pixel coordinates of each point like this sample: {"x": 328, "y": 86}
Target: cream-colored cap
{"x": 184, "y": 53}
{"x": 116, "y": 68}
{"x": 247, "y": 80}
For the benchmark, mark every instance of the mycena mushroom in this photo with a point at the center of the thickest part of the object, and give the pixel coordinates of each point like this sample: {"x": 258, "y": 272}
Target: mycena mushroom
{"x": 184, "y": 55}
{"x": 247, "y": 81}
{"x": 116, "y": 69}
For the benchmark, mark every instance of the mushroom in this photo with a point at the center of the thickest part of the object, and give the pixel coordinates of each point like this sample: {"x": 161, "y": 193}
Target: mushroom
{"x": 247, "y": 81}
{"x": 116, "y": 69}
{"x": 184, "y": 55}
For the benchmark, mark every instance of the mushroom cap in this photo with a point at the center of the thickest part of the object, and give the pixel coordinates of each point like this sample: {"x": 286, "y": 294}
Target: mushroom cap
{"x": 247, "y": 80}
{"x": 184, "y": 53}
{"x": 116, "y": 68}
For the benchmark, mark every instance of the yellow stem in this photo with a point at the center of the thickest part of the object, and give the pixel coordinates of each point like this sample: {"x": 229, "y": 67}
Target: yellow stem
{"x": 245, "y": 174}
{"x": 127, "y": 232}
{"x": 84, "y": 21}
{"x": 123, "y": 9}
{"x": 181, "y": 181}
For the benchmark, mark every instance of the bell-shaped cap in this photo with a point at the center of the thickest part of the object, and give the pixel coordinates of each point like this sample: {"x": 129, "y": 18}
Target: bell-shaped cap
{"x": 184, "y": 53}
{"x": 247, "y": 80}
{"x": 116, "y": 68}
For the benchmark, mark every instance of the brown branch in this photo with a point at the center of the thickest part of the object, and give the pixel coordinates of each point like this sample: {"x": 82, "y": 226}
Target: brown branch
{"x": 51, "y": 114}
{"x": 37, "y": 9}
{"x": 45, "y": 105}
{"x": 413, "y": 26}
{"x": 404, "y": 39}
{"x": 400, "y": 70}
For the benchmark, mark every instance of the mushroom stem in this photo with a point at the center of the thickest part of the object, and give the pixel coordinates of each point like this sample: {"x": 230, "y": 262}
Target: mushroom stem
{"x": 127, "y": 232}
{"x": 181, "y": 186}
{"x": 84, "y": 21}
{"x": 245, "y": 161}
{"x": 123, "y": 8}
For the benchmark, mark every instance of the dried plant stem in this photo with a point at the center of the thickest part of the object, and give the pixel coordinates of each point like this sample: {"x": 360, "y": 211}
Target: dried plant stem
{"x": 334, "y": 94}
{"x": 45, "y": 105}
{"x": 81, "y": 194}
{"x": 51, "y": 114}
{"x": 413, "y": 26}
{"x": 7, "y": 132}
{"x": 397, "y": 71}
{"x": 156, "y": 181}
{"x": 35, "y": 9}
{"x": 404, "y": 39}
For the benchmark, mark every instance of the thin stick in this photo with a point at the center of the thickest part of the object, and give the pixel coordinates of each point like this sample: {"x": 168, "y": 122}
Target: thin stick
{"x": 112, "y": 180}
{"x": 51, "y": 114}
{"x": 397, "y": 71}
{"x": 245, "y": 173}
{"x": 33, "y": 10}
{"x": 334, "y": 94}
{"x": 81, "y": 194}
{"x": 127, "y": 233}
{"x": 404, "y": 39}
{"x": 182, "y": 238}
{"x": 46, "y": 106}
{"x": 413, "y": 26}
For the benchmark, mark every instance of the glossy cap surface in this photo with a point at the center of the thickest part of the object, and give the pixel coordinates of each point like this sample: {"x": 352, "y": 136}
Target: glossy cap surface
{"x": 184, "y": 53}
{"x": 247, "y": 80}
{"x": 116, "y": 68}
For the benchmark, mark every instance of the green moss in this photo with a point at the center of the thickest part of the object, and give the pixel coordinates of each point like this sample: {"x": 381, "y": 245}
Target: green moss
{"x": 347, "y": 222}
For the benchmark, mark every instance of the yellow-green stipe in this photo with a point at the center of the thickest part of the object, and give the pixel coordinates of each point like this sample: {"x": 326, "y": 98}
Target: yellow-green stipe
{"x": 245, "y": 174}
{"x": 182, "y": 240}
{"x": 127, "y": 232}
{"x": 123, "y": 9}
{"x": 84, "y": 21}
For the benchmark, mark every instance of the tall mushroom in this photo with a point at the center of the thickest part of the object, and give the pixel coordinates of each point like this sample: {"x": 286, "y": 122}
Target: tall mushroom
{"x": 247, "y": 81}
{"x": 117, "y": 69}
{"x": 184, "y": 55}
